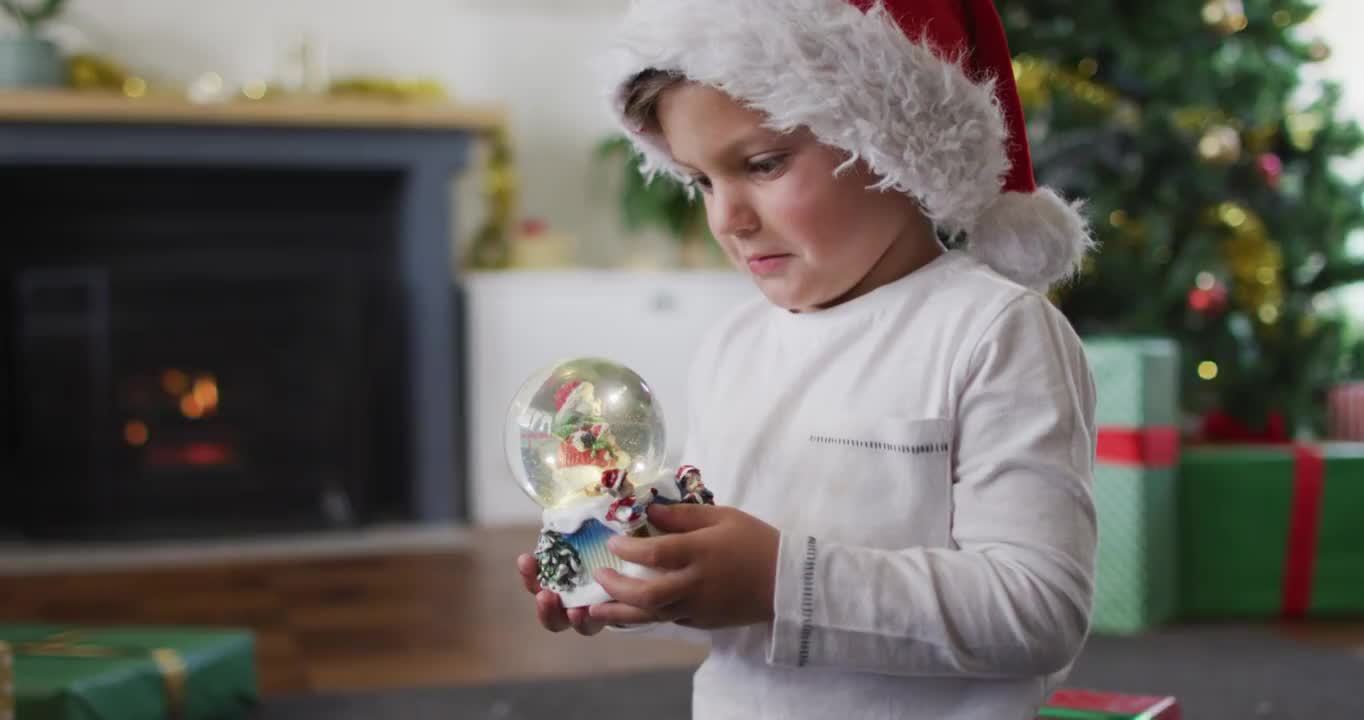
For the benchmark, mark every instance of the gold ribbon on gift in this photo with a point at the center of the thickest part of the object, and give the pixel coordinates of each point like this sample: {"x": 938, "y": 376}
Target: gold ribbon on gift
{"x": 70, "y": 644}
{"x": 6, "y": 681}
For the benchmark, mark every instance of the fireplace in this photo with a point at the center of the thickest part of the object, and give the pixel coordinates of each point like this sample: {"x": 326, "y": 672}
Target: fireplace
{"x": 203, "y": 350}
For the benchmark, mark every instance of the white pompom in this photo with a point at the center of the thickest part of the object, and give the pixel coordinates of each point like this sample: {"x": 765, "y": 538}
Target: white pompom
{"x": 1035, "y": 239}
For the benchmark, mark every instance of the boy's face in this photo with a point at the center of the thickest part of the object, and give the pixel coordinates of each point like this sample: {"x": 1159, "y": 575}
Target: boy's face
{"x": 810, "y": 240}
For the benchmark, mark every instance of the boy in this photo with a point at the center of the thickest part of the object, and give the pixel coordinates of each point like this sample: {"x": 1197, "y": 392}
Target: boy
{"x": 901, "y": 436}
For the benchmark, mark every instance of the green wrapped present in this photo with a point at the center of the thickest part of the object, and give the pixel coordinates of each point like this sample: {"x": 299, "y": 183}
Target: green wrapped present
{"x": 131, "y": 673}
{"x": 6, "y": 682}
{"x": 1272, "y": 530}
{"x": 1091, "y": 705}
{"x": 1137, "y": 380}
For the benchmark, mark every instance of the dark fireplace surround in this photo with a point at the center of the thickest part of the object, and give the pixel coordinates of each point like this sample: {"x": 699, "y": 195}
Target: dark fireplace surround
{"x": 208, "y": 345}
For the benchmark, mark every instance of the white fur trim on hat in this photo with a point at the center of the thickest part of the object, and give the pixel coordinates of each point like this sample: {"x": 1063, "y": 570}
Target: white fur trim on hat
{"x": 858, "y": 83}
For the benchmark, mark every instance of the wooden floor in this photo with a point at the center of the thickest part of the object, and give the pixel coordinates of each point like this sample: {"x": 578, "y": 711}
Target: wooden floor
{"x": 446, "y": 617}
{"x": 442, "y": 617}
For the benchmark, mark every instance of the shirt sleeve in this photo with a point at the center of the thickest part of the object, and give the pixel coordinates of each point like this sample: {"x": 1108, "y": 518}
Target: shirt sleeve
{"x": 1012, "y": 596}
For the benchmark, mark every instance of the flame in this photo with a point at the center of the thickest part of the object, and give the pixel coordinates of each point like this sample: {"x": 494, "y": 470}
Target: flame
{"x": 135, "y": 433}
{"x": 206, "y": 392}
{"x": 174, "y": 382}
{"x": 191, "y": 408}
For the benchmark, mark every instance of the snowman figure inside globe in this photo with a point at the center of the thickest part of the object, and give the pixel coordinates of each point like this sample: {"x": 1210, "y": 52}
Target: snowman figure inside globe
{"x": 585, "y": 440}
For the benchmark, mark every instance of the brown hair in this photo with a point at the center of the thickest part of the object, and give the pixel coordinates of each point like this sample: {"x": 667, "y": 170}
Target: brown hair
{"x": 642, "y": 94}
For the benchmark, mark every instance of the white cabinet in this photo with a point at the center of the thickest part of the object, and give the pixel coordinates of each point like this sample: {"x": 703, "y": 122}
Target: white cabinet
{"x": 520, "y": 322}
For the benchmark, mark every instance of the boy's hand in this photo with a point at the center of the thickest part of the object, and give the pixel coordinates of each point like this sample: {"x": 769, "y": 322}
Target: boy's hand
{"x": 719, "y": 568}
{"x": 549, "y": 608}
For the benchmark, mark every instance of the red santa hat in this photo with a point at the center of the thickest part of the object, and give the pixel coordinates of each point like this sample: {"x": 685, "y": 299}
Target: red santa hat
{"x": 922, "y": 91}
{"x": 565, "y": 392}
{"x": 613, "y": 479}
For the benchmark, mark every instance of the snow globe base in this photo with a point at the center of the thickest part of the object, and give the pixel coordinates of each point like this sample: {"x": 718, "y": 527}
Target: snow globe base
{"x": 593, "y": 593}
{"x": 572, "y": 544}
{"x": 572, "y": 547}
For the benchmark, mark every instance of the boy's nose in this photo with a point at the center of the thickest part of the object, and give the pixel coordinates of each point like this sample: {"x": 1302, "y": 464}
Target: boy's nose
{"x": 732, "y": 215}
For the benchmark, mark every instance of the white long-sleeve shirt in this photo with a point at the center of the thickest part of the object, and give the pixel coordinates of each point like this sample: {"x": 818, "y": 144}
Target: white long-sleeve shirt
{"x": 926, "y": 451}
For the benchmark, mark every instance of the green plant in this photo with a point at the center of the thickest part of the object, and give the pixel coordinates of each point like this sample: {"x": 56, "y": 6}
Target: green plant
{"x": 663, "y": 203}
{"x": 29, "y": 15}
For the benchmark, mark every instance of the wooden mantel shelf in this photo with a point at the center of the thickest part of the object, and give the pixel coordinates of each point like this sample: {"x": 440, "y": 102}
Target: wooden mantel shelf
{"x": 68, "y": 106}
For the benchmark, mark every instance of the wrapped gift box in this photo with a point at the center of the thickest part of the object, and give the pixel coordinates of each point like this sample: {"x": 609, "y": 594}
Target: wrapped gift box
{"x": 1091, "y": 705}
{"x": 131, "y": 673}
{"x": 1137, "y": 380}
{"x": 1272, "y": 531}
{"x": 6, "y": 682}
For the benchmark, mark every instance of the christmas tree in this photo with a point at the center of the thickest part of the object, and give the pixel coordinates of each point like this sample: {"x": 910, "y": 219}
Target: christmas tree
{"x": 560, "y": 568}
{"x": 1207, "y": 166}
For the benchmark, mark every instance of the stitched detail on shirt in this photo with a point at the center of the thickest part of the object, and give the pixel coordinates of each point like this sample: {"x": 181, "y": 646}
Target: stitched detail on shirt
{"x": 807, "y": 602}
{"x": 919, "y": 449}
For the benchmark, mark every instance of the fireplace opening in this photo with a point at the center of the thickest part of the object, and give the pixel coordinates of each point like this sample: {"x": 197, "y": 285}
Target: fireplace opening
{"x": 190, "y": 351}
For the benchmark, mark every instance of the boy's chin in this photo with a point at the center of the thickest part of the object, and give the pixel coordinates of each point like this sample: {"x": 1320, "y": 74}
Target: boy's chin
{"x": 786, "y": 295}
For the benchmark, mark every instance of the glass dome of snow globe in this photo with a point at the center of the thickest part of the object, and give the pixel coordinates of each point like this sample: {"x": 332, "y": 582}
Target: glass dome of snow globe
{"x": 576, "y": 419}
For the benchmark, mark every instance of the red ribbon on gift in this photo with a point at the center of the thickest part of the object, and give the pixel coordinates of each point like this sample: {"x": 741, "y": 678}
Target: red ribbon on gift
{"x": 1091, "y": 705}
{"x": 1151, "y": 447}
{"x": 1221, "y": 427}
{"x": 1309, "y": 480}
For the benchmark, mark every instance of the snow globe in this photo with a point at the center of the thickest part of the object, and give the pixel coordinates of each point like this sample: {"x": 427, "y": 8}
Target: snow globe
{"x": 586, "y": 439}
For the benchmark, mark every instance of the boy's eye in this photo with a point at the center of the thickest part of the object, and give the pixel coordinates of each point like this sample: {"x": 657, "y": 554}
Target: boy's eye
{"x": 767, "y": 165}
{"x": 702, "y": 182}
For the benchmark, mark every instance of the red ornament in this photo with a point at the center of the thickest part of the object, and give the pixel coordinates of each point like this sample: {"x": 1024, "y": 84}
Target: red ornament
{"x": 1210, "y": 301}
{"x": 1271, "y": 169}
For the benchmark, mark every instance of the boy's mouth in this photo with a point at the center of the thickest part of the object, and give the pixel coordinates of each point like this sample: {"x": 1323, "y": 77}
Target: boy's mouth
{"x": 767, "y": 264}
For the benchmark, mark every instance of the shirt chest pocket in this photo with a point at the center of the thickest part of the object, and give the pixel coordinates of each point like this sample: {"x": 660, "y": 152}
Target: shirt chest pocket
{"x": 881, "y": 483}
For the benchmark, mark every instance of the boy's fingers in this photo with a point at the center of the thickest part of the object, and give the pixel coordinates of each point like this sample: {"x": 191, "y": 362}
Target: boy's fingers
{"x": 583, "y": 621}
{"x": 685, "y": 517}
{"x": 550, "y": 611}
{"x": 529, "y": 570}
{"x": 653, "y": 595}
{"x": 668, "y": 552}
{"x": 620, "y": 614}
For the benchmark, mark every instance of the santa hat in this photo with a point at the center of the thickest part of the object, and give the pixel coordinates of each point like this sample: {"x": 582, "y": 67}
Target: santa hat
{"x": 571, "y": 391}
{"x": 611, "y": 478}
{"x": 922, "y": 91}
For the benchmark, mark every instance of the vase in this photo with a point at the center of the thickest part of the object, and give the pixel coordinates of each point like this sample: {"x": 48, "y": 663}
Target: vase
{"x": 27, "y": 61}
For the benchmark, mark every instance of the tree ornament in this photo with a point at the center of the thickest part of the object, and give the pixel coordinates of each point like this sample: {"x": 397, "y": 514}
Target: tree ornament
{"x": 1220, "y": 145}
{"x": 1226, "y": 16}
{"x": 1303, "y": 128}
{"x": 1271, "y": 169}
{"x": 1208, "y": 302}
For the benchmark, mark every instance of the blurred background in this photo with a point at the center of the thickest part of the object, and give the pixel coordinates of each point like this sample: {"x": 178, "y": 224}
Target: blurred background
{"x": 271, "y": 272}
